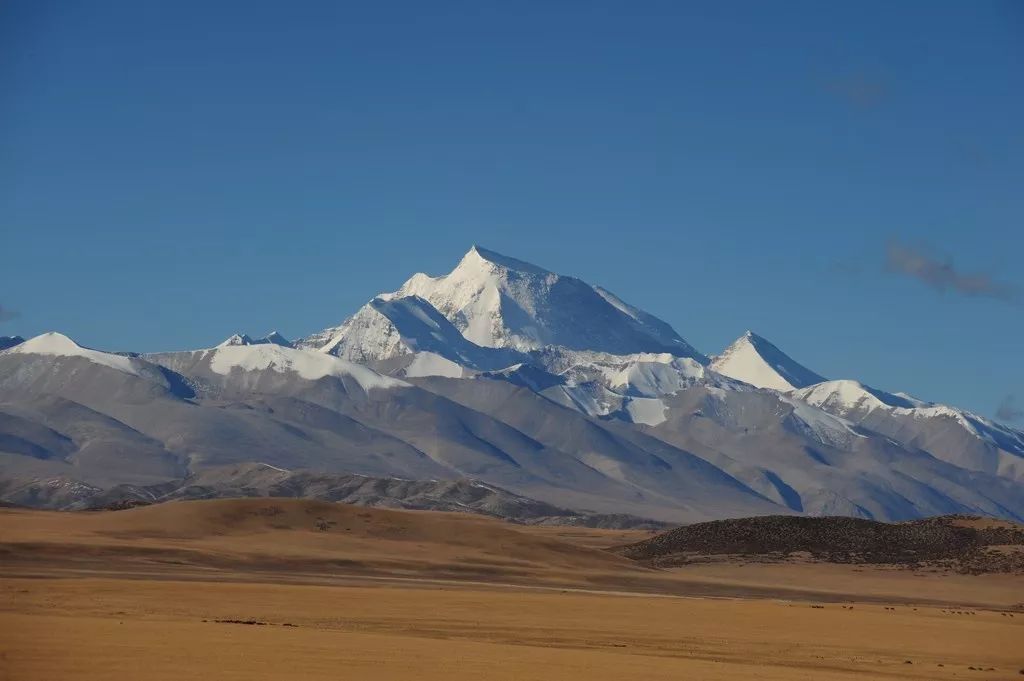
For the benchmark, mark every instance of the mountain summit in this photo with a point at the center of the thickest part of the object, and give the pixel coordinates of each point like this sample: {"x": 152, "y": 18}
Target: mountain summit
{"x": 391, "y": 326}
{"x": 501, "y": 302}
{"x": 272, "y": 338}
{"x": 754, "y": 360}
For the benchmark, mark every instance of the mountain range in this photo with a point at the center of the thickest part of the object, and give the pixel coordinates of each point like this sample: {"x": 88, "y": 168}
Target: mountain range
{"x": 539, "y": 386}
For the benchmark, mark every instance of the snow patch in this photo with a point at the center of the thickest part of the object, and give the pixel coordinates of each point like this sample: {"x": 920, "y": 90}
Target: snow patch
{"x": 647, "y": 410}
{"x": 654, "y": 375}
{"x": 430, "y": 364}
{"x": 307, "y": 364}
{"x": 822, "y": 426}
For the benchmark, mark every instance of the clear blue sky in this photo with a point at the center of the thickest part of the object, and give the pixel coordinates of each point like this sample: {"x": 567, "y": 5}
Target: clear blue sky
{"x": 171, "y": 172}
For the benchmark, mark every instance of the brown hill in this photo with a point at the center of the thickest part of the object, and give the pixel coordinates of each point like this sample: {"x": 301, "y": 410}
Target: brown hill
{"x": 293, "y": 536}
{"x": 966, "y": 544}
{"x": 289, "y": 541}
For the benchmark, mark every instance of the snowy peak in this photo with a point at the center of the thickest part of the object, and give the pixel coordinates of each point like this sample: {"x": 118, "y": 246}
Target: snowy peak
{"x": 275, "y": 338}
{"x": 58, "y": 345}
{"x": 389, "y": 327}
{"x": 236, "y": 339}
{"x": 395, "y": 326}
{"x": 50, "y": 343}
{"x": 272, "y": 338}
{"x": 501, "y": 302}
{"x": 366, "y": 336}
{"x": 478, "y": 256}
{"x": 951, "y": 434}
{"x": 754, "y": 360}
{"x": 851, "y": 398}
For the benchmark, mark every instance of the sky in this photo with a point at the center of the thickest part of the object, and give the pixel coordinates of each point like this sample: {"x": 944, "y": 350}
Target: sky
{"x": 845, "y": 179}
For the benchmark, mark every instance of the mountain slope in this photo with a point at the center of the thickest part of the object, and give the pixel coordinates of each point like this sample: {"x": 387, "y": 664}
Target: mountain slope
{"x": 507, "y": 434}
{"x": 954, "y": 435}
{"x": 56, "y": 345}
{"x": 797, "y": 456}
{"x": 526, "y": 380}
{"x": 294, "y": 408}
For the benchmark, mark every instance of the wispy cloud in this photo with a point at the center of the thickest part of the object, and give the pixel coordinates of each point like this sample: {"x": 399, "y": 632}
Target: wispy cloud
{"x": 1009, "y": 411}
{"x": 858, "y": 90}
{"x": 942, "y": 275}
{"x": 7, "y": 313}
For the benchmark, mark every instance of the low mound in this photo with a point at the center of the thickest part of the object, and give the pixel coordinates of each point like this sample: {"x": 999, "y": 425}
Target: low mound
{"x": 291, "y": 536}
{"x": 963, "y": 543}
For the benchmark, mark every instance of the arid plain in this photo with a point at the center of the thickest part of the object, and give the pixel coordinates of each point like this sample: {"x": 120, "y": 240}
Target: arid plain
{"x": 288, "y": 589}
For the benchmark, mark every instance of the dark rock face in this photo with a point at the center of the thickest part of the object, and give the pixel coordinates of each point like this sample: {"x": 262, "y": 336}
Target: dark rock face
{"x": 963, "y": 543}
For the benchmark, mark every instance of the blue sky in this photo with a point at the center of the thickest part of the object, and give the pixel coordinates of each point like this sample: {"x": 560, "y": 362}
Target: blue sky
{"x": 171, "y": 172}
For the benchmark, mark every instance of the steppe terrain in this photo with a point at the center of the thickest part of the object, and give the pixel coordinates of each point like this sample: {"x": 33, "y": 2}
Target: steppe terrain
{"x": 292, "y": 589}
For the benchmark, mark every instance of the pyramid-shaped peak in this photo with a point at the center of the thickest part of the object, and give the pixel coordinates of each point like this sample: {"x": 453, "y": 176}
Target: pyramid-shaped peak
{"x": 272, "y": 338}
{"x": 276, "y": 338}
{"x": 478, "y": 255}
{"x": 752, "y": 337}
{"x": 501, "y": 302}
{"x": 755, "y": 360}
{"x": 496, "y": 301}
{"x": 236, "y": 339}
{"x": 50, "y": 342}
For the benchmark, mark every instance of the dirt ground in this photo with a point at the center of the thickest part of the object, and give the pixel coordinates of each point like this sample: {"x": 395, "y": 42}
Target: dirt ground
{"x": 232, "y": 590}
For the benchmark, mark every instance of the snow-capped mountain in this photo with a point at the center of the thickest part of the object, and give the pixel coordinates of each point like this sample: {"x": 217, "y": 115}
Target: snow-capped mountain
{"x": 754, "y": 360}
{"x": 57, "y": 345}
{"x": 504, "y": 372}
{"x": 852, "y": 399}
{"x": 951, "y": 434}
{"x": 493, "y": 312}
{"x": 500, "y": 302}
